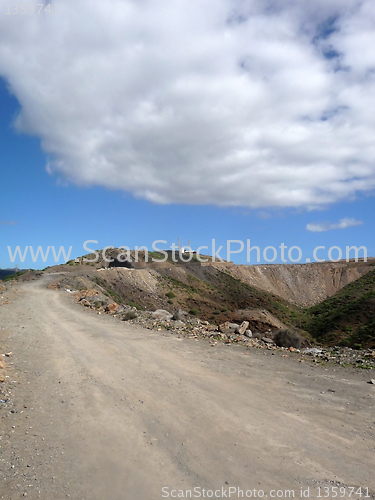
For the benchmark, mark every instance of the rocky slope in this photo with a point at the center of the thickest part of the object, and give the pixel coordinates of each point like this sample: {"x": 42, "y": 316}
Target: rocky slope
{"x": 206, "y": 293}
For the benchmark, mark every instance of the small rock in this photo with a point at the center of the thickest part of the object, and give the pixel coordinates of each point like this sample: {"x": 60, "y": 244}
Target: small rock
{"x": 267, "y": 340}
{"x": 313, "y": 350}
{"x": 178, "y": 324}
{"x": 212, "y": 328}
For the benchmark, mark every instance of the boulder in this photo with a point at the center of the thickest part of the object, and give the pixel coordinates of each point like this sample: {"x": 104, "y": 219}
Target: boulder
{"x": 111, "y": 308}
{"x": 248, "y": 334}
{"x": 234, "y": 326}
{"x": 228, "y": 327}
{"x": 162, "y": 315}
{"x": 180, "y": 315}
{"x": 99, "y": 301}
{"x": 244, "y": 326}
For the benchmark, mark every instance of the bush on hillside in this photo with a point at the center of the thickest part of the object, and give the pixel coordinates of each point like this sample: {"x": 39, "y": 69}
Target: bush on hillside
{"x": 129, "y": 315}
{"x": 288, "y": 338}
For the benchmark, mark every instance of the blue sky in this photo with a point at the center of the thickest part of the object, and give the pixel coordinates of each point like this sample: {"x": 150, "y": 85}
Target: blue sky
{"x": 173, "y": 144}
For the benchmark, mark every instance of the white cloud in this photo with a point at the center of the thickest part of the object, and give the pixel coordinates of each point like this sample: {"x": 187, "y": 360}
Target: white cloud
{"x": 256, "y": 103}
{"x": 319, "y": 227}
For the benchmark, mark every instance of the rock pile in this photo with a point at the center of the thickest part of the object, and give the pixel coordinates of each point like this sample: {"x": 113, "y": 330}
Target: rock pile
{"x": 344, "y": 356}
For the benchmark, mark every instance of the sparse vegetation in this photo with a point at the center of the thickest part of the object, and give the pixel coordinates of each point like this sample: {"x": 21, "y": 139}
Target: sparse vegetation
{"x": 114, "y": 295}
{"x": 156, "y": 256}
{"x": 347, "y": 318}
{"x": 133, "y": 304}
{"x": 14, "y": 276}
{"x": 288, "y": 338}
{"x": 129, "y": 315}
{"x": 194, "y": 312}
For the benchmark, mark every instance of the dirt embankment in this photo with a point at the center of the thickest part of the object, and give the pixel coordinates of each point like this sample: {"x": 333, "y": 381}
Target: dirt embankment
{"x": 301, "y": 284}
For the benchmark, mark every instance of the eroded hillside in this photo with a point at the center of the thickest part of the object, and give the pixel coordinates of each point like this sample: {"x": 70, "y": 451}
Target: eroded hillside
{"x": 301, "y": 284}
{"x": 208, "y": 293}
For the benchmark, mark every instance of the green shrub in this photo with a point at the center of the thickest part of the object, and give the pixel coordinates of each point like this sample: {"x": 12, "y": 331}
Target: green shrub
{"x": 288, "y": 338}
{"x": 194, "y": 312}
{"x": 14, "y": 276}
{"x": 156, "y": 256}
{"x": 345, "y": 343}
{"x": 111, "y": 293}
{"x": 133, "y": 304}
{"x": 129, "y": 315}
{"x": 170, "y": 295}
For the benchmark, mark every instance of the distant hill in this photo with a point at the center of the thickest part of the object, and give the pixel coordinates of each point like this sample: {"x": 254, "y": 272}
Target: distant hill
{"x": 347, "y": 318}
{"x": 6, "y": 272}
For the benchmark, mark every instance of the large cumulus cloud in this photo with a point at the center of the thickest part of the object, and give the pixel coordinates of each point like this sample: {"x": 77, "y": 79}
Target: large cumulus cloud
{"x": 252, "y": 102}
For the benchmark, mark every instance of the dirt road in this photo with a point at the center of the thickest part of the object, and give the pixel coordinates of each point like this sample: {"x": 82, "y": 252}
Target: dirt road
{"x": 101, "y": 410}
